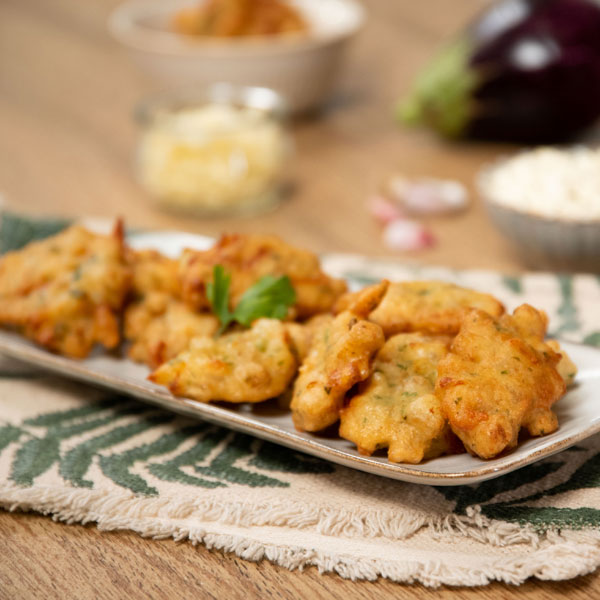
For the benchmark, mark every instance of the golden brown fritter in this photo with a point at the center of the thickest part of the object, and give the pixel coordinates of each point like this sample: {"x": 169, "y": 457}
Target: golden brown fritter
{"x": 365, "y": 301}
{"x": 302, "y": 335}
{"x": 565, "y": 367}
{"x": 500, "y": 376}
{"x": 158, "y": 324}
{"x": 153, "y": 272}
{"x": 532, "y": 325}
{"x": 248, "y": 366}
{"x": 428, "y": 306}
{"x": 341, "y": 356}
{"x": 248, "y": 258}
{"x": 396, "y": 407}
{"x": 160, "y": 327}
{"x": 65, "y": 292}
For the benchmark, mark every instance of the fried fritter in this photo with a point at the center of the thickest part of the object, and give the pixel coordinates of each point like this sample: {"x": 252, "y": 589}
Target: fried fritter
{"x": 248, "y": 258}
{"x": 428, "y": 306}
{"x": 157, "y": 322}
{"x": 500, "y": 376}
{"x": 248, "y": 366}
{"x": 532, "y": 327}
{"x": 302, "y": 335}
{"x": 341, "y": 356}
{"x": 160, "y": 327}
{"x": 65, "y": 292}
{"x": 396, "y": 407}
{"x": 153, "y": 272}
{"x": 565, "y": 367}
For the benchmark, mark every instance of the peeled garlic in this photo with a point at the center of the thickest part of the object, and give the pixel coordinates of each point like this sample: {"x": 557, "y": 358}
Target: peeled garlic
{"x": 427, "y": 196}
{"x": 383, "y": 209}
{"x": 403, "y": 234}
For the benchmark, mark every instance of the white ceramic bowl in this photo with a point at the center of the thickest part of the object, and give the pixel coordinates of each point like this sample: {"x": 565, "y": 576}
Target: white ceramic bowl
{"x": 544, "y": 242}
{"x": 301, "y": 68}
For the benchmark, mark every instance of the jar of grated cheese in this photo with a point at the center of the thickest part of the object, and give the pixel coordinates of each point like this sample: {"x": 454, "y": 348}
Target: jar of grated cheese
{"x": 214, "y": 152}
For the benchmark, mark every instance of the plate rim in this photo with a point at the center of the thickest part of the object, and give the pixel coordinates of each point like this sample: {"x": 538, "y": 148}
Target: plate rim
{"x": 25, "y": 351}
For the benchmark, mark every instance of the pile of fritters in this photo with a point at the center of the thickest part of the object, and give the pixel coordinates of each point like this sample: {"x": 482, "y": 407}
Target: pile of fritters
{"x": 420, "y": 368}
{"x": 157, "y": 322}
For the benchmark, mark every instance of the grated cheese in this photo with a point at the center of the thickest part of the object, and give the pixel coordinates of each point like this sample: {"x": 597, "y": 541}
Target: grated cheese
{"x": 548, "y": 182}
{"x": 212, "y": 157}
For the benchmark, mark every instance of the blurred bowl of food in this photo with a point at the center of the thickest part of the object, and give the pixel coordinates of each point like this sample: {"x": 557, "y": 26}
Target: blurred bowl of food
{"x": 295, "y": 47}
{"x": 219, "y": 150}
{"x": 547, "y": 202}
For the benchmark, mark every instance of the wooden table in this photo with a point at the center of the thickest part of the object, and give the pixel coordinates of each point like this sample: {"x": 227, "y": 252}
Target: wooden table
{"x": 67, "y": 142}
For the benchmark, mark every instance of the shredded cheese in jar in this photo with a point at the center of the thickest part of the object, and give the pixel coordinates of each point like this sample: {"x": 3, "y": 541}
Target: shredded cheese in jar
{"x": 215, "y": 158}
{"x": 548, "y": 182}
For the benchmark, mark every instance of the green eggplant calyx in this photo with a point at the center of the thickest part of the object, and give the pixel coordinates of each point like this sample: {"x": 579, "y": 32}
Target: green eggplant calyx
{"x": 442, "y": 95}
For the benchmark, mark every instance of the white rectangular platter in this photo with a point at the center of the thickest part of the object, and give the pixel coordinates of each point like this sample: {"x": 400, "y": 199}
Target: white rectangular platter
{"x": 578, "y": 412}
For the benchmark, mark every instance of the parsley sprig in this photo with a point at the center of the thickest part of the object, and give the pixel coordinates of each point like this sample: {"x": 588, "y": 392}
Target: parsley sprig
{"x": 269, "y": 297}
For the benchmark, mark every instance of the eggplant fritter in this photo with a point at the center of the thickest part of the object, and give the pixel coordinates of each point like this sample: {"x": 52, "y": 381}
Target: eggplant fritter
{"x": 341, "y": 356}
{"x": 429, "y": 306}
{"x": 157, "y": 322}
{"x": 153, "y": 272}
{"x": 302, "y": 335}
{"x": 248, "y": 366}
{"x": 248, "y": 258}
{"x": 500, "y": 376}
{"x": 396, "y": 408}
{"x": 66, "y": 292}
{"x": 565, "y": 367}
{"x": 160, "y": 327}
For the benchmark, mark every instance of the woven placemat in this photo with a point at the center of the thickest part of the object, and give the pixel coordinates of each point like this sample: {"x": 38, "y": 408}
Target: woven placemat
{"x": 84, "y": 455}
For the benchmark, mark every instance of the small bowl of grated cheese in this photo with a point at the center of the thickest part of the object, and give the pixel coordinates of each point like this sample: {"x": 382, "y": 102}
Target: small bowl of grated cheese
{"x": 216, "y": 151}
{"x": 547, "y": 201}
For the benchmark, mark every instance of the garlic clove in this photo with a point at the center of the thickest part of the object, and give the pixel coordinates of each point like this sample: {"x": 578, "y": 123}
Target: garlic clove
{"x": 404, "y": 234}
{"x": 383, "y": 209}
{"x": 427, "y": 196}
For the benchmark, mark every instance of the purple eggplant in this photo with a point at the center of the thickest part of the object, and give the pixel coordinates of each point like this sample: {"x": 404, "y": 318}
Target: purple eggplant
{"x": 525, "y": 71}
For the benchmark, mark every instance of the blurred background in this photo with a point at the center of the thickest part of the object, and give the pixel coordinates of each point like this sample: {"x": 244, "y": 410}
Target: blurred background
{"x": 95, "y": 95}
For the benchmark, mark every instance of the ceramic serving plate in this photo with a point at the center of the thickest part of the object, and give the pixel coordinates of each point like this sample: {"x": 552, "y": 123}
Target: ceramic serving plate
{"x": 578, "y": 412}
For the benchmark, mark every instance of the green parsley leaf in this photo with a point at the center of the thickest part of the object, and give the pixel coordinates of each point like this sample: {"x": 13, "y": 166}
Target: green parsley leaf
{"x": 269, "y": 297}
{"x": 217, "y": 292}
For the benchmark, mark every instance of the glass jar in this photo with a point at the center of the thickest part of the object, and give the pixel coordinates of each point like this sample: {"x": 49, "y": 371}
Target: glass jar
{"x": 217, "y": 151}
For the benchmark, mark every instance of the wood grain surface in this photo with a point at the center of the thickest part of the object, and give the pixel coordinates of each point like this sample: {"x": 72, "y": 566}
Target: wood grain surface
{"x": 67, "y": 142}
